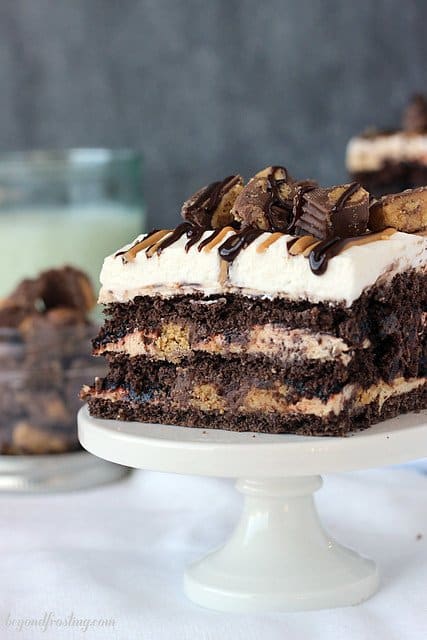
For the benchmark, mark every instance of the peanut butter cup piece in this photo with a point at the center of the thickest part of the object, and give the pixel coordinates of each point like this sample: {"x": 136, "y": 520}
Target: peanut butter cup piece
{"x": 67, "y": 287}
{"x": 340, "y": 211}
{"x": 266, "y": 201}
{"x": 405, "y": 211}
{"x": 210, "y": 207}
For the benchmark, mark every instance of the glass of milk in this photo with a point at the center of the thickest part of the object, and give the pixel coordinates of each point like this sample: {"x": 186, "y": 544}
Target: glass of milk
{"x": 66, "y": 207}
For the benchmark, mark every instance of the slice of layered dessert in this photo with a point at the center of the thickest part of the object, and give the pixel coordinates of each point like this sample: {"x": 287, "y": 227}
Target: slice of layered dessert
{"x": 276, "y": 306}
{"x": 389, "y": 161}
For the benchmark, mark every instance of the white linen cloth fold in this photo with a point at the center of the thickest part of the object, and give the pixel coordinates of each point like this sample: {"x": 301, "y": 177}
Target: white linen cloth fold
{"x": 115, "y": 556}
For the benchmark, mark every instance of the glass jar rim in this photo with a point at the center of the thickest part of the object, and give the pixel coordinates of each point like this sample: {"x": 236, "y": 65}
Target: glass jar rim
{"x": 74, "y": 158}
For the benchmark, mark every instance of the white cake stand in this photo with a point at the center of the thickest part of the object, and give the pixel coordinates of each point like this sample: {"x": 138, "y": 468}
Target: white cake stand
{"x": 279, "y": 557}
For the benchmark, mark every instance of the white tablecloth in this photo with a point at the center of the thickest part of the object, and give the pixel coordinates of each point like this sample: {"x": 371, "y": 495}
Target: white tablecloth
{"x": 117, "y": 554}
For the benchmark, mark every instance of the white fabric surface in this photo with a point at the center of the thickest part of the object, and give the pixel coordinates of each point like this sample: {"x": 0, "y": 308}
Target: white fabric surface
{"x": 120, "y": 551}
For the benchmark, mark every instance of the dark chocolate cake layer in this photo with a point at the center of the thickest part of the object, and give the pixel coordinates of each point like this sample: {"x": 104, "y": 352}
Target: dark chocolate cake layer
{"x": 350, "y": 419}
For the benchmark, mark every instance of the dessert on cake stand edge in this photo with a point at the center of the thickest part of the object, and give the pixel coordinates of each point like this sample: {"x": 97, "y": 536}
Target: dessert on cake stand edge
{"x": 279, "y": 557}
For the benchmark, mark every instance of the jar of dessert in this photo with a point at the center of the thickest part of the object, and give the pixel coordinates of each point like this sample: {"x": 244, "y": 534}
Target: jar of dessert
{"x": 45, "y": 354}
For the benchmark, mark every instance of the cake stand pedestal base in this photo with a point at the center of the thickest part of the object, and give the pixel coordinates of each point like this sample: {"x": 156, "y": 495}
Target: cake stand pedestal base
{"x": 279, "y": 556}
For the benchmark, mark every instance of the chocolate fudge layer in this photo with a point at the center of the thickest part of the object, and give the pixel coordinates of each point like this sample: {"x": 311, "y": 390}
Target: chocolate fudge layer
{"x": 290, "y": 314}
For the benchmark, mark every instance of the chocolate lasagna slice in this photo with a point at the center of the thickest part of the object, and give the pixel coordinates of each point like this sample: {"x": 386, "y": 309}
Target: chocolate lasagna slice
{"x": 273, "y": 307}
{"x": 391, "y": 161}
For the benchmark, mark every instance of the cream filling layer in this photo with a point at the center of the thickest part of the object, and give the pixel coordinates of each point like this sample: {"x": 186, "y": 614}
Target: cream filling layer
{"x": 269, "y": 273}
{"x": 370, "y": 154}
{"x": 270, "y": 401}
{"x": 174, "y": 343}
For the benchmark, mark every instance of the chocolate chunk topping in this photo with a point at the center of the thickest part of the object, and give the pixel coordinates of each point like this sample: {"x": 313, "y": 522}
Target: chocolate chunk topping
{"x": 415, "y": 115}
{"x": 266, "y": 201}
{"x": 210, "y": 207}
{"x": 271, "y": 200}
{"x": 341, "y": 211}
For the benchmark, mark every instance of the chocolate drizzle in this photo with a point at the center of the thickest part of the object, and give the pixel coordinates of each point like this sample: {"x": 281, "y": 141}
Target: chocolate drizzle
{"x": 209, "y": 239}
{"x": 184, "y": 227}
{"x": 194, "y": 233}
{"x": 323, "y": 252}
{"x": 352, "y": 188}
{"x": 231, "y": 248}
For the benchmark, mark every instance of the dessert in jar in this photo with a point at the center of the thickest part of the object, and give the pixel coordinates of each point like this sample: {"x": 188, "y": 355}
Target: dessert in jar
{"x": 45, "y": 333}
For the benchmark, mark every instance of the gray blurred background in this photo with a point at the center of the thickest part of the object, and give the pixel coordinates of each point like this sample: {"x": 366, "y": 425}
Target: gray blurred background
{"x": 210, "y": 87}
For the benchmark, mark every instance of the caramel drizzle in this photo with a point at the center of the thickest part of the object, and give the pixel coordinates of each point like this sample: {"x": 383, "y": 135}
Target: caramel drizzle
{"x": 147, "y": 243}
{"x": 263, "y": 246}
{"x": 298, "y": 246}
{"x": 122, "y": 253}
{"x": 215, "y": 238}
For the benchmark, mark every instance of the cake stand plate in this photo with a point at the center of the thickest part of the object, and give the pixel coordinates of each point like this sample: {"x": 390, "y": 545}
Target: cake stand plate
{"x": 279, "y": 557}
{"x": 60, "y": 472}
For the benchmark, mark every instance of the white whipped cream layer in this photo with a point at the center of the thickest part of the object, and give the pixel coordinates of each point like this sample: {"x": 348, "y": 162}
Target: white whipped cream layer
{"x": 370, "y": 154}
{"x": 271, "y": 273}
{"x": 168, "y": 273}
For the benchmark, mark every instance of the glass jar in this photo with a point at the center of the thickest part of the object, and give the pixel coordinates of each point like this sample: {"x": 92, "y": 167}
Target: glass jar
{"x": 57, "y": 208}
{"x": 66, "y": 207}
